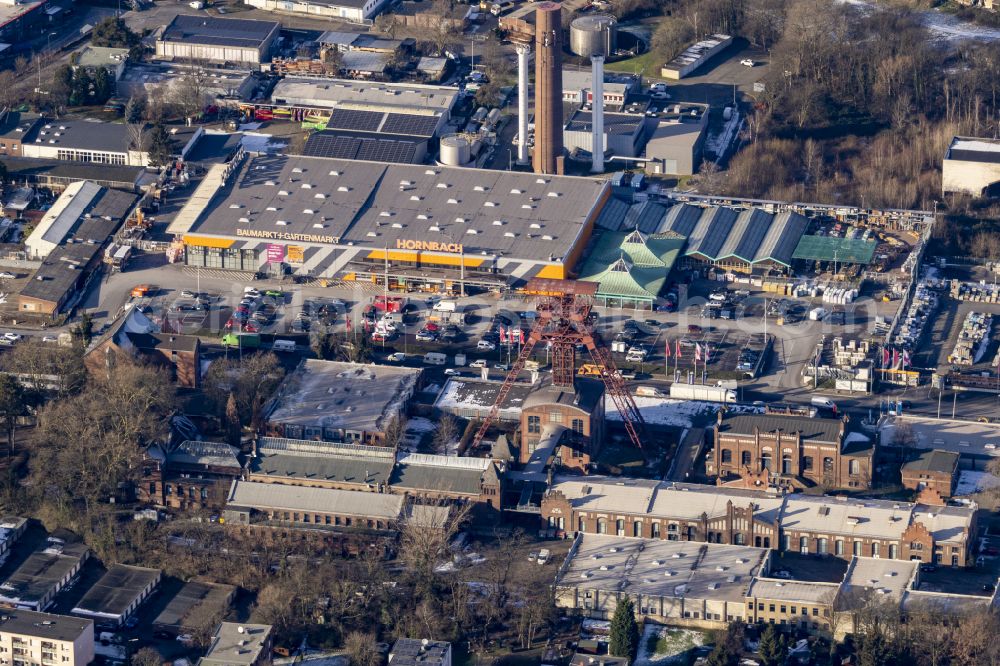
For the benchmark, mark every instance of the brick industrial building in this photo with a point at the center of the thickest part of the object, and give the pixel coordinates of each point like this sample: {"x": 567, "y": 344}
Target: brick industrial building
{"x": 794, "y": 449}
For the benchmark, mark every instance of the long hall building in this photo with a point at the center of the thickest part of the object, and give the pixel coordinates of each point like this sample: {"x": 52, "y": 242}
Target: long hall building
{"x": 806, "y": 524}
{"x": 424, "y": 227}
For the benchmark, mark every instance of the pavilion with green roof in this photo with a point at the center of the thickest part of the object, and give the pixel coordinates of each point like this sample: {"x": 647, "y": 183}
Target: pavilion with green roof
{"x": 630, "y": 267}
{"x": 831, "y": 248}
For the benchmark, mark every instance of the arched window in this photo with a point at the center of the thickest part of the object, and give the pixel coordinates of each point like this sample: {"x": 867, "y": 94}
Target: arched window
{"x": 765, "y": 462}
{"x": 602, "y": 526}
{"x": 786, "y": 464}
{"x": 807, "y": 463}
{"x": 827, "y": 465}
{"x": 745, "y": 458}
{"x": 727, "y": 456}
{"x": 577, "y": 426}
{"x": 853, "y": 467}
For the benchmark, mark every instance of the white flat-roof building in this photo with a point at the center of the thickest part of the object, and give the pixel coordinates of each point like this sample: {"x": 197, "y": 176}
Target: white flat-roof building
{"x": 971, "y": 166}
{"x": 695, "y": 56}
{"x": 354, "y": 11}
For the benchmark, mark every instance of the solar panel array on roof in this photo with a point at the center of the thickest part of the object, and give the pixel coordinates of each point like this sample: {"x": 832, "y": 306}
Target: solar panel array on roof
{"x": 401, "y": 123}
{"x": 375, "y": 148}
{"x": 354, "y": 119}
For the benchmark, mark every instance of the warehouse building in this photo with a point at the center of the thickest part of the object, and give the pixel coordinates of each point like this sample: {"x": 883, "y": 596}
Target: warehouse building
{"x": 312, "y": 100}
{"x": 340, "y": 402}
{"x": 70, "y": 241}
{"x": 676, "y": 140}
{"x": 429, "y": 228}
{"x": 971, "y": 166}
{"x": 118, "y": 594}
{"x": 219, "y": 87}
{"x": 37, "y": 638}
{"x": 57, "y": 175}
{"x": 194, "y": 606}
{"x": 215, "y": 39}
{"x": 82, "y": 141}
{"x": 741, "y": 241}
{"x": 577, "y": 84}
{"x": 623, "y": 133}
{"x": 36, "y": 582}
{"x": 353, "y": 11}
{"x": 14, "y": 127}
{"x": 695, "y": 56}
{"x": 320, "y": 464}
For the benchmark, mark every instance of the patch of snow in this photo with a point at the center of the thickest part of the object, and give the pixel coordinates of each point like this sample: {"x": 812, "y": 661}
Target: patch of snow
{"x": 856, "y": 437}
{"x": 679, "y": 642}
{"x": 673, "y": 412}
{"x": 979, "y": 146}
{"x": 262, "y": 143}
{"x": 717, "y": 144}
{"x": 601, "y": 627}
{"x": 971, "y": 482}
{"x": 419, "y": 424}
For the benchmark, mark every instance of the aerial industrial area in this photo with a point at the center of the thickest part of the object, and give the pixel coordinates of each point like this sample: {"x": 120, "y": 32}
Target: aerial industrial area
{"x": 424, "y": 333}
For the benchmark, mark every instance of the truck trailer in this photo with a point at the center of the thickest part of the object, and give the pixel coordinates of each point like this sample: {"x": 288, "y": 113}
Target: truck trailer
{"x": 680, "y": 391}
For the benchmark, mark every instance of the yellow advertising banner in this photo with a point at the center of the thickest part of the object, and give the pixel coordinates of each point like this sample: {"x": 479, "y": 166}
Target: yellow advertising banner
{"x": 295, "y": 254}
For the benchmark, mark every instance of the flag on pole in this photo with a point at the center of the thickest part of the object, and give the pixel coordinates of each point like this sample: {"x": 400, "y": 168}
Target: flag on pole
{"x": 501, "y": 335}
{"x": 666, "y": 348}
{"x": 349, "y": 325}
{"x": 708, "y": 353}
{"x": 521, "y": 335}
{"x": 895, "y": 358}
{"x": 677, "y": 349}
{"x": 697, "y": 352}
{"x": 906, "y": 359}
{"x": 885, "y": 357}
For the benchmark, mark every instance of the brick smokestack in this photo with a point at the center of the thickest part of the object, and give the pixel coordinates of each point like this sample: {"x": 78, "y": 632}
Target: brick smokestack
{"x": 548, "y": 154}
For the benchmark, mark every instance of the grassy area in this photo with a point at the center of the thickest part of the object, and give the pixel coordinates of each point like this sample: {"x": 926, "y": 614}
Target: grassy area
{"x": 647, "y": 64}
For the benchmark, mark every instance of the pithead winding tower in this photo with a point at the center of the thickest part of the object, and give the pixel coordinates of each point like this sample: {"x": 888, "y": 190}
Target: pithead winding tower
{"x": 548, "y": 155}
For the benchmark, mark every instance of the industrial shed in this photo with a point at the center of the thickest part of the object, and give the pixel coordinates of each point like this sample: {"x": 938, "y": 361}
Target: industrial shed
{"x": 118, "y": 594}
{"x": 745, "y": 241}
{"x": 215, "y": 39}
{"x": 196, "y": 604}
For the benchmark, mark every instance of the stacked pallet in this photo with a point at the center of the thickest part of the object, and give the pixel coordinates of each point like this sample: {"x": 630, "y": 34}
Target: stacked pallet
{"x": 975, "y": 330}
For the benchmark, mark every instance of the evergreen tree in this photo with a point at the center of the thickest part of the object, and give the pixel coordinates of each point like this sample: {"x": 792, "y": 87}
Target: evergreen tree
{"x": 103, "y": 86}
{"x": 159, "y": 145}
{"x": 772, "y": 647}
{"x": 624, "y": 630}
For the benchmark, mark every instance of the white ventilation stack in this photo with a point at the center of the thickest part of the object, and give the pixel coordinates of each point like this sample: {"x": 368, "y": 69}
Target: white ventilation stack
{"x": 522, "y": 103}
{"x": 597, "y": 114}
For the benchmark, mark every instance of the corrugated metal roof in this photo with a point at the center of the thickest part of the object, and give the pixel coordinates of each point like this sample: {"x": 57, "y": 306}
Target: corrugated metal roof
{"x": 682, "y": 219}
{"x": 782, "y": 237}
{"x": 747, "y": 234}
{"x": 710, "y": 233}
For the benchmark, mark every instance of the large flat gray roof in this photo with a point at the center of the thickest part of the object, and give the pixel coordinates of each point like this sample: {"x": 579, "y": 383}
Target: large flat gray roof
{"x": 374, "y": 205}
{"x": 195, "y": 604}
{"x": 294, "y": 460}
{"x": 80, "y": 135}
{"x": 42, "y": 573}
{"x": 216, "y": 31}
{"x": 44, "y": 625}
{"x": 330, "y": 93}
{"x": 265, "y": 496}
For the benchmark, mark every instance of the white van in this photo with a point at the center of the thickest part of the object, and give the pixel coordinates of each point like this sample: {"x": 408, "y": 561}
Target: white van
{"x": 283, "y": 346}
{"x": 435, "y": 358}
{"x": 824, "y": 403}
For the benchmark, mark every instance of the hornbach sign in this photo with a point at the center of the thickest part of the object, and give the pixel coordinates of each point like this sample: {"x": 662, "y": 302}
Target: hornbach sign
{"x": 429, "y": 246}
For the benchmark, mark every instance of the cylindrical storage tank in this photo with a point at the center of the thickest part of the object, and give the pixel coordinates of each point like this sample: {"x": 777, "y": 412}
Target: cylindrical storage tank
{"x": 455, "y": 150}
{"x": 594, "y": 34}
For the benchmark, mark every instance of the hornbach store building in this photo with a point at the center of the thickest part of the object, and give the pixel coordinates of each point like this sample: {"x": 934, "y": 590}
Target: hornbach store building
{"x": 425, "y": 228}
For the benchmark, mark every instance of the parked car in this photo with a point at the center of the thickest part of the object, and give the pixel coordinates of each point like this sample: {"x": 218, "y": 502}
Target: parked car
{"x": 186, "y": 293}
{"x": 451, "y": 372}
{"x": 426, "y": 336}
{"x": 274, "y": 293}
{"x": 479, "y": 363}
{"x": 694, "y": 328}
{"x": 485, "y": 345}
{"x": 397, "y": 357}
{"x": 747, "y": 62}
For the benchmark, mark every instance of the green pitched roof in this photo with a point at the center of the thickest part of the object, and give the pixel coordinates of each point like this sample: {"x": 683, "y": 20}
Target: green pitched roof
{"x": 631, "y": 264}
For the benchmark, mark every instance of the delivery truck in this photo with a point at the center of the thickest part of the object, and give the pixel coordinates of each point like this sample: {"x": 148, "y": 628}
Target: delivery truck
{"x": 680, "y": 391}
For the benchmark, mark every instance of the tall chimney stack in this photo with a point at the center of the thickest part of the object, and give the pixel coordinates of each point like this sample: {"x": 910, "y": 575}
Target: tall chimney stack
{"x": 597, "y": 113}
{"x": 523, "y": 50}
{"x": 548, "y": 156}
